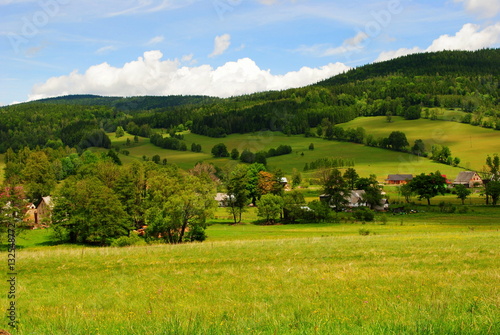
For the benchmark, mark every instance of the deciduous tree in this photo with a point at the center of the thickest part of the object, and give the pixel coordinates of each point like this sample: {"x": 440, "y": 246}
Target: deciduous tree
{"x": 270, "y": 207}
{"x": 397, "y": 140}
{"x": 220, "y": 150}
{"x": 237, "y": 191}
{"x": 427, "y": 186}
{"x": 336, "y": 189}
{"x": 462, "y": 192}
{"x": 87, "y": 211}
{"x": 39, "y": 177}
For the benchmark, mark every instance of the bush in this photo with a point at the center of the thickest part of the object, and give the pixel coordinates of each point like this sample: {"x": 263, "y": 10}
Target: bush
{"x": 445, "y": 207}
{"x": 364, "y": 232}
{"x": 126, "y": 241}
{"x": 383, "y": 219}
{"x": 196, "y": 234}
{"x": 363, "y": 214}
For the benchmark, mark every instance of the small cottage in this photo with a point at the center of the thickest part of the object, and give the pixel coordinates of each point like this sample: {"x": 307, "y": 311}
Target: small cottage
{"x": 44, "y": 211}
{"x": 223, "y": 199}
{"x": 355, "y": 199}
{"x": 398, "y": 179}
{"x": 468, "y": 179}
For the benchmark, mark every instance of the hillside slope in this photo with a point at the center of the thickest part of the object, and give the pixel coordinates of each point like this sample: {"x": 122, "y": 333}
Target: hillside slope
{"x": 410, "y": 87}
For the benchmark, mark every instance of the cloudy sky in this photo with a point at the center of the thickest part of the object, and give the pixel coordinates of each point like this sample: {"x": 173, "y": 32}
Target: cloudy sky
{"x": 219, "y": 47}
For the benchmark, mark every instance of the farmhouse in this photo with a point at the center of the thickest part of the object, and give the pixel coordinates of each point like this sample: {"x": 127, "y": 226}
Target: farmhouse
{"x": 398, "y": 179}
{"x": 44, "y": 211}
{"x": 468, "y": 179}
{"x": 223, "y": 199}
{"x": 356, "y": 199}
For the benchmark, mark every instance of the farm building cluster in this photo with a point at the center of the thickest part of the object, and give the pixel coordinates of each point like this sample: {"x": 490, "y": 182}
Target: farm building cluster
{"x": 469, "y": 179}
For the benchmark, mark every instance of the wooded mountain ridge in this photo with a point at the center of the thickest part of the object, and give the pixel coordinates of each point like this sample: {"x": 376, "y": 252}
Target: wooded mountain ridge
{"x": 469, "y": 80}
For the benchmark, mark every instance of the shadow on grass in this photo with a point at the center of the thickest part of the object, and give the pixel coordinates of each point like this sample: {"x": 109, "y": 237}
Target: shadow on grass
{"x": 49, "y": 243}
{"x": 5, "y": 247}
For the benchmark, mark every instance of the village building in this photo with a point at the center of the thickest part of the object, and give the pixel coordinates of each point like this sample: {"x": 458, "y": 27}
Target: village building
{"x": 223, "y": 199}
{"x": 356, "y": 200}
{"x": 43, "y": 212}
{"x": 398, "y": 179}
{"x": 468, "y": 179}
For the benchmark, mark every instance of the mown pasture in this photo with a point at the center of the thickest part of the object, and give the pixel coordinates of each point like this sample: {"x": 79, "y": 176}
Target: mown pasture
{"x": 367, "y": 160}
{"x": 470, "y": 143}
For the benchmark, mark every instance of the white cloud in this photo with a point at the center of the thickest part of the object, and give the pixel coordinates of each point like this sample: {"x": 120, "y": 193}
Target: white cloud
{"x": 133, "y": 7}
{"x": 387, "y": 55}
{"x": 267, "y": 2}
{"x": 105, "y": 50}
{"x": 323, "y": 50}
{"x": 155, "y": 40}
{"x": 150, "y": 75}
{"x": 8, "y": 2}
{"x": 273, "y": 2}
{"x": 187, "y": 58}
{"x": 483, "y": 8}
{"x": 221, "y": 44}
{"x": 470, "y": 37}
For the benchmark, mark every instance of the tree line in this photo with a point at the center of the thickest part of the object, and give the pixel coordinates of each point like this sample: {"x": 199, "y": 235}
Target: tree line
{"x": 99, "y": 201}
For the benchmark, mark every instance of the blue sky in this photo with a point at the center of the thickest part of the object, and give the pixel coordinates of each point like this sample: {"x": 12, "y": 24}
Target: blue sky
{"x": 218, "y": 47}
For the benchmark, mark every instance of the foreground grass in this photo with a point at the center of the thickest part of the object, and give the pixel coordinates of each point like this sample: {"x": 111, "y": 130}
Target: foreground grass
{"x": 403, "y": 280}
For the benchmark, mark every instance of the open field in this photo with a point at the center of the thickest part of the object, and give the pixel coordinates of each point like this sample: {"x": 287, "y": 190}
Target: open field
{"x": 471, "y": 144}
{"x": 367, "y": 160}
{"x": 418, "y": 278}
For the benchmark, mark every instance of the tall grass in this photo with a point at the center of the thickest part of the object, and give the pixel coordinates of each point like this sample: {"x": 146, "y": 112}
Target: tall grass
{"x": 406, "y": 283}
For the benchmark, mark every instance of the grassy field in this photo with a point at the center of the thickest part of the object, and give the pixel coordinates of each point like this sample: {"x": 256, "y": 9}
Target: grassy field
{"x": 471, "y": 144}
{"x": 420, "y": 277}
{"x": 367, "y": 160}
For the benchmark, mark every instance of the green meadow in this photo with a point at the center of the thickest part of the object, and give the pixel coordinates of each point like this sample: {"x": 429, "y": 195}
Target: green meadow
{"x": 470, "y": 143}
{"x": 421, "y": 274}
{"x": 367, "y": 160}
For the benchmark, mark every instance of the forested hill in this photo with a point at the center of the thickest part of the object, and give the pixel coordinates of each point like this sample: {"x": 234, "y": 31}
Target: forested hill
{"x": 465, "y": 63}
{"x": 408, "y": 86}
{"x": 132, "y": 103}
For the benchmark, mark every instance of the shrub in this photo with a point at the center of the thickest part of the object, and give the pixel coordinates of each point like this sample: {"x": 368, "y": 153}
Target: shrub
{"x": 364, "y": 232}
{"x": 447, "y": 207}
{"x": 383, "y": 219}
{"x": 196, "y": 234}
{"x": 363, "y": 214}
{"x": 126, "y": 241}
